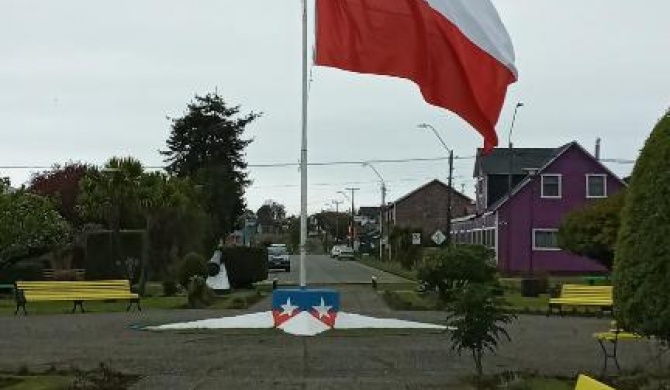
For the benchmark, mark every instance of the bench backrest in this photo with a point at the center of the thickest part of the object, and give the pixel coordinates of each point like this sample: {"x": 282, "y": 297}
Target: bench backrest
{"x": 100, "y": 288}
{"x": 64, "y": 274}
{"x": 586, "y": 383}
{"x": 583, "y": 291}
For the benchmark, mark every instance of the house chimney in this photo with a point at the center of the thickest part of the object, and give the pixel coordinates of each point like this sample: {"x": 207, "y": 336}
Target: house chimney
{"x": 598, "y": 149}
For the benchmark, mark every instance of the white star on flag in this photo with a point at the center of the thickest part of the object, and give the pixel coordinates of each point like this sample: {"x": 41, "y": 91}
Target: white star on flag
{"x": 322, "y": 309}
{"x": 288, "y": 308}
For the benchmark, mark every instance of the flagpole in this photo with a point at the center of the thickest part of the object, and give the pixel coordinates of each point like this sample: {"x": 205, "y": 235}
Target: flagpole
{"x": 303, "y": 152}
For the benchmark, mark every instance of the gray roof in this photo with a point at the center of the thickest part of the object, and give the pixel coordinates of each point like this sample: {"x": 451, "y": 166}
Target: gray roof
{"x": 559, "y": 152}
{"x": 453, "y": 191}
{"x": 498, "y": 161}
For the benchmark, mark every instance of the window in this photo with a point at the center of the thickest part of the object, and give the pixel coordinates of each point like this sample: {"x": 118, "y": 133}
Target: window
{"x": 551, "y": 186}
{"x": 596, "y": 186}
{"x": 545, "y": 240}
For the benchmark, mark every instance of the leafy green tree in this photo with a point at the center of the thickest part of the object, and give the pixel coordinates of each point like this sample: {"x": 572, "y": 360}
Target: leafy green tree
{"x": 271, "y": 213}
{"x": 642, "y": 261}
{"x": 336, "y": 224}
{"x": 403, "y": 249}
{"x": 4, "y": 184}
{"x": 113, "y": 196}
{"x": 29, "y": 226}
{"x": 479, "y": 321}
{"x": 175, "y": 219}
{"x": 592, "y": 230}
{"x": 61, "y": 184}
{"x": 207, "y": 145}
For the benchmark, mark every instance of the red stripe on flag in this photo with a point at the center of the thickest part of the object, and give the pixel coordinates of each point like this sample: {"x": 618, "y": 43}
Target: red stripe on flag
{"x": 411, "y": 40}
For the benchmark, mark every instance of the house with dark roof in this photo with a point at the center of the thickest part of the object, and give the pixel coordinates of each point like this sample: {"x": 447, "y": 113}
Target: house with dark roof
{"x": 520, "y": 221}
{"x": 426, "y": 208}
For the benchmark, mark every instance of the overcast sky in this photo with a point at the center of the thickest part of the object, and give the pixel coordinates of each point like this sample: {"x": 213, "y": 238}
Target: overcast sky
{"x": 86, "y": 80}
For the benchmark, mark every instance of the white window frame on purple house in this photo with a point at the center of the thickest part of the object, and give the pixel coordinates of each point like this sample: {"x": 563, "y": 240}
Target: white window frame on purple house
{"x": 543, "y": 249}
{"x": 604, "y": 177}
{"x": 560, "y": 186}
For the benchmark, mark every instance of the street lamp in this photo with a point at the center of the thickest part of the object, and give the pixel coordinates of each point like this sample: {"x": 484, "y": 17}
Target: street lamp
{"x": 511, "y": 150}
{"x": 451, "y": 175}
{"x": 381, "y": 208}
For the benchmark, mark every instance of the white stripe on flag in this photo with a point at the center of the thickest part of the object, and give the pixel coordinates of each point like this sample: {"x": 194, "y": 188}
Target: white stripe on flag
{"x": 480, "y": 22}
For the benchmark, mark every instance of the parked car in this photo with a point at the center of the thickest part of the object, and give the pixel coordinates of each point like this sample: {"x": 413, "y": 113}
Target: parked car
{"x": 335, "y": 251}
{"x": 278, "y": 258}
{"x": 345, "y": 252}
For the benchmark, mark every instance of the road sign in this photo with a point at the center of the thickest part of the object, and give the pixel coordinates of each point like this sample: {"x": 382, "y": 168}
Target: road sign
{"x": 438, "y": 237}
{"x": 416, "y": 238}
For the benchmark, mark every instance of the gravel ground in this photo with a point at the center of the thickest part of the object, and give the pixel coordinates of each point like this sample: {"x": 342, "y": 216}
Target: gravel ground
{"x": 265, "y": 359}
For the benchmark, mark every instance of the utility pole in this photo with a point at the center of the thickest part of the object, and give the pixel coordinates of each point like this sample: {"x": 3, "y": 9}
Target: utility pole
{"x": 381, "y": 208}
{"x": 449, "y": 191}
{"x": 353, "y": 211}
{"x": 381, "y": 223}
{"x": 450, "y": 179}
{"x": 337, "y": 204}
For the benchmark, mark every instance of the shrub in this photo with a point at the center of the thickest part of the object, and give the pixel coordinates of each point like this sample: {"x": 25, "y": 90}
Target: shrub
{"x": 170, "y": 288}
{"x": 245, "y": 266}
{"x": 642, "y": 261}
{"x": 451, "y": 269}
{"x": 199, "y": 294}
{"x": 192, "y": 265}
{"x": 238, "y": 303}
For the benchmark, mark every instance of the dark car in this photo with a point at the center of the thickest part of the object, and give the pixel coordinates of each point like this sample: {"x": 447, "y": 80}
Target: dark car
{"x": 278, "y": 258}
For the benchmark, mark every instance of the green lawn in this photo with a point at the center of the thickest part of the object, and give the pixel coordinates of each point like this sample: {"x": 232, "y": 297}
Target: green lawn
{"x": 35, "y": 382}
{"x": 390, "y": 267}
{"x": 239, "y": 299}
{"x": 549, "y": 384}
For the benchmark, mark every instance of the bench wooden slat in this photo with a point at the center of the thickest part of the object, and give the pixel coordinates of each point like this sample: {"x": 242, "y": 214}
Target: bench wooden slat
{"x": 582, "y": 295}
{"x": 75, "y": 291}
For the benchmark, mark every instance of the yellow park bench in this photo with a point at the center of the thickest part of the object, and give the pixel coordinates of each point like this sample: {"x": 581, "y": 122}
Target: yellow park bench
{"x": 586, "y": 383}
{"x": 614, "y": 336}
{"x": 77, "y": 292}
{"x": 582, "y": 295}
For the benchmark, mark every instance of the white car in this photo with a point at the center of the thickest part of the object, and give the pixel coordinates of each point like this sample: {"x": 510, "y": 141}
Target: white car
{"x": 335, "y": 251}
{"x": 346, "y": 252}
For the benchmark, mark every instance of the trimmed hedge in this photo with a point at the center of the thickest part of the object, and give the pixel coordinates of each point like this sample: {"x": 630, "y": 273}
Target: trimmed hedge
{"x": 100, "y": 264}
{"x": 23, "y": 270}
{"x": 642, "y": 261}
{"x": 245, "y": 266}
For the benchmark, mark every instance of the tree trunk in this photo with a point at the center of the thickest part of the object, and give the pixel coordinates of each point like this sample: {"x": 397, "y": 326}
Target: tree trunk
{"x": 477, "y": 357}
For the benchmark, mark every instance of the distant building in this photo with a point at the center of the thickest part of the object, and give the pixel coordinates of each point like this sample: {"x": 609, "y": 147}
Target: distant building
{"x": 521, "y": 225}
{"x": 426, "y": 208}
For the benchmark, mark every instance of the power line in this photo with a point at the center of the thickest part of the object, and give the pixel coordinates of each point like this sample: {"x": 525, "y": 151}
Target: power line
{"x": 329, "y": 163}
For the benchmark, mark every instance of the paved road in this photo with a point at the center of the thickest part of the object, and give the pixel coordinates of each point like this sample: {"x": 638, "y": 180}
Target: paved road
{"x": 273, "y": 360}
{"x": 322, "y": 269}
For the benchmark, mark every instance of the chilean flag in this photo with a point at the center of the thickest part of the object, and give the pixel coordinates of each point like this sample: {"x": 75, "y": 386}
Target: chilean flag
{"x": 457, "y": 51}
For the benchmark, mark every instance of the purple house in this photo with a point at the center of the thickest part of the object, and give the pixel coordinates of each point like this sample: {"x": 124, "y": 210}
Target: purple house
{"x": 522, "y": 197}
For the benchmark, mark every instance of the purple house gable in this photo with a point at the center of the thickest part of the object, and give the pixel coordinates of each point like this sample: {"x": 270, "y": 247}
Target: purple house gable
{"x": 515, "y": 219}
